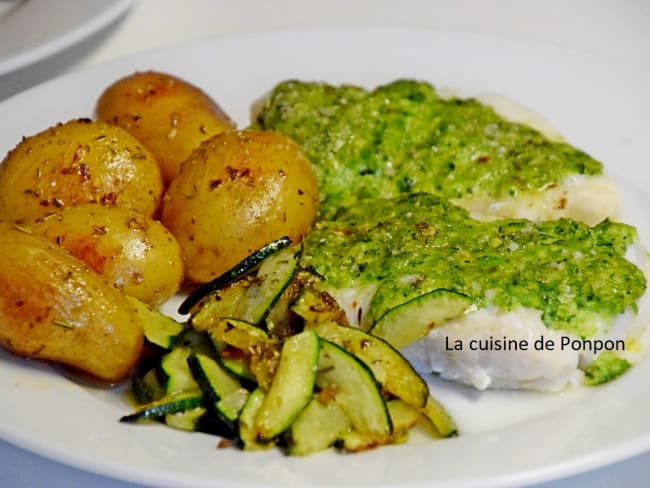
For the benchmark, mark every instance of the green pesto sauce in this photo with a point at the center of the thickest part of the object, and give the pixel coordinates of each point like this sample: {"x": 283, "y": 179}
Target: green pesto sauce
{"x": 418, "y": 243}
{"x": 403, "y": 138}
{"x": 606, "y": 367}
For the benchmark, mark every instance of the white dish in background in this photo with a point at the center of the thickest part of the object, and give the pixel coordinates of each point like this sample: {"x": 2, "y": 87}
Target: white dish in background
{"x": 509, "y": 438}
{"x": 32, "y": 30}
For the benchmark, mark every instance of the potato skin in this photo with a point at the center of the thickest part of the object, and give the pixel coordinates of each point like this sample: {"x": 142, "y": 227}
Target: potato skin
{"x": 168, "y": 115}
{"x": 77, "y": 162}
{"x": 53, "y": 307}
{"x": 134, "y": 253}
{"x": 237, "y": 192}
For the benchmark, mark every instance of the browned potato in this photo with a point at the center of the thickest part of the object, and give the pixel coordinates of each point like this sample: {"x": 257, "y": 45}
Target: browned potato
{"x": 78, "y": 162}
{"x": 168, "y": 115}
{"x": 53, "y": 307}
{"x": 135, "y": 253}
{"x": 237, "y": 192}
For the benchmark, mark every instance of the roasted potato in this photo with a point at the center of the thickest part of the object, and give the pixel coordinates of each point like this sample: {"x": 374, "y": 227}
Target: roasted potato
{"x": 135, "y": 253}
{"x": 168, "y": 115}
{"x": 53, "y": 307}
{"x": 237, "y": 192}
{"x": 78, "y": 162}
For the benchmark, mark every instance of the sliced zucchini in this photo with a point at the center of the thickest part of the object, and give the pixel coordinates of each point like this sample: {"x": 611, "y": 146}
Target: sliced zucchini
{"x": 215, "y": 382}
{"x": 177, "y": 372}
{"x": 316, "y": 428}
{"x": 403, "y": 417}
{"x": 354, "y": 388}
{"x": 231, "y": 405}
{"x": 240, "y": 334}
{"x": 410, "y": 321}
{"x": 248, "y": 265}
{"x": 177, "y": 402}
{"x": 388, "y": 366}
{"x": 292, "y": 386}
{"x": 225, "y": 302}
{"x": 189, "y": 420}
{"x": 252, "y": 297}
{"x": 235, "y": 361}
{"x": 273, "y": 277}
{"x": 260, "y": 350}
{"x": 159, "y": 329}
{"x": 439, "y": 418}
{"x": 247, "y": 432}
{"x": 281, "y": 322}
{"x": 147, "y": 388}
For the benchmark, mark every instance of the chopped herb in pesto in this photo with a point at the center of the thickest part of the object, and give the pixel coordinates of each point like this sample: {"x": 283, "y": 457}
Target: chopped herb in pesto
{"x": 403, "y": 138}
{"x": 576, "y": 275}
{"x": 606, "y": 367}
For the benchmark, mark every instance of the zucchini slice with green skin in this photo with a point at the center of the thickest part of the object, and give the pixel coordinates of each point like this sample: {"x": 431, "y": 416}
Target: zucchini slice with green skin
{"x": 247, "y": 438}
{"x": 177, "y": 402}
{"x": 241, "y": 334}
{"x": 316, "y": 428}
{"x": 234, "y": 361}
{"x": 222, "y": 392}
{"x": 247, "y": 265}
{"x": 439, "y": 418}
{"x": 225, "y": 302}
{"x": 402, "y": 415}
{"x": 231, "y": 405}
{"x": 251, "y": 297}
{"x": 147, "y": 388}
{"x": 213, "y": 380}
{"x": 274, "y": 275}
{"x": 292, "y": 386}
{"x": 159, "y": 329}
{"x": 354, "y": 389}
{"x": 410, "y": 321}
{"x": 189, "y": 420}
{"x": 177, "y": 372}
{"x": 389, "y": 367}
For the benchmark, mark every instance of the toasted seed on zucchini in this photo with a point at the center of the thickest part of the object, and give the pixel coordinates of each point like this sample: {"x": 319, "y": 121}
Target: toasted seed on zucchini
{"x": 316, "y": 306}
{"x": 410, "y": 321}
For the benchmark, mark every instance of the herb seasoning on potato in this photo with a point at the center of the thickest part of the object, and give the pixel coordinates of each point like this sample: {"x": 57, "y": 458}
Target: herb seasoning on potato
{"x": 78, "y": 162}
{"x": 54, "y": 307}
{"x": 134, "y": 253}
{"x": 235, "y": 193}
{"x": 168, "y": 115}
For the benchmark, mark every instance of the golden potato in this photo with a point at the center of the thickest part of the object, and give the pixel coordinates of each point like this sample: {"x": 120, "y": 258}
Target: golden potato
{"x": 53, "y": 307}
{"x": 237, "y": 192}
{"x": 168, "y": 115}
{"x": 135, "y": 253}
{"x": 78, "y": 162}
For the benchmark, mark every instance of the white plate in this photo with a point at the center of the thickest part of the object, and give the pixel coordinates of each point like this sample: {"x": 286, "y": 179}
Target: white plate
{"x": 32, "y": 30}
{"x": 509, "y": 438}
